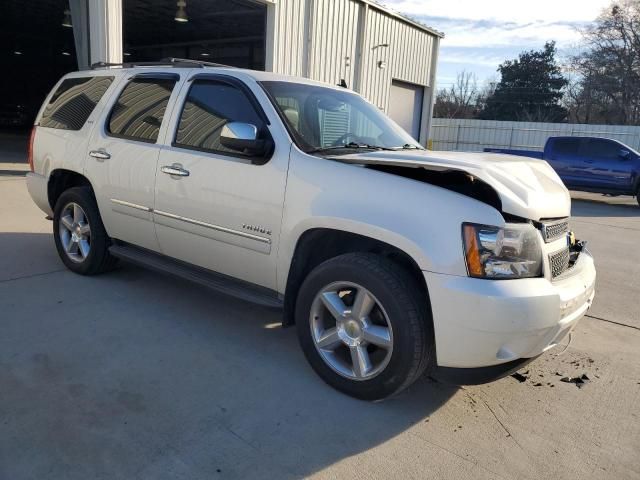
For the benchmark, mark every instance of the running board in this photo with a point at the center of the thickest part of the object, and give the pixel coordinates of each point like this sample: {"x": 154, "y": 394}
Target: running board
{"x": 216, "y": 281}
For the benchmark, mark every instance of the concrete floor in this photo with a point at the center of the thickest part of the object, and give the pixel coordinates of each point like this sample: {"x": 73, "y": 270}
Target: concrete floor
{"x": 137, "y": 375}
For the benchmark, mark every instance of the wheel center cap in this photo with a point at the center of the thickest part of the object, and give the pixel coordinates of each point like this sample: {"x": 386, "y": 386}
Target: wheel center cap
{"x": 351, "y": 331}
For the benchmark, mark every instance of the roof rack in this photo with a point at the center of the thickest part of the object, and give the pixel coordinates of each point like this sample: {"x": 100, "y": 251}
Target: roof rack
{"x": 170, "y": 61}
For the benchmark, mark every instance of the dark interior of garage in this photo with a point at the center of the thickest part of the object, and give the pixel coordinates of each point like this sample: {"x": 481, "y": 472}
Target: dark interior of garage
{"x": 37, "y": 49}
{"x": 38, "y": 43}
{"x": 222, "y": 31}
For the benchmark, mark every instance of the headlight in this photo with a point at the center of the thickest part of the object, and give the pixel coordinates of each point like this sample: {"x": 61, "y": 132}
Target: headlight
{"x": 499, "y": 253}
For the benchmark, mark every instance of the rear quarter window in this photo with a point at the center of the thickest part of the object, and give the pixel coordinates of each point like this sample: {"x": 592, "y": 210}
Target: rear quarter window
{"x": 73, "y": 101}
{"x": 566, "y": 146}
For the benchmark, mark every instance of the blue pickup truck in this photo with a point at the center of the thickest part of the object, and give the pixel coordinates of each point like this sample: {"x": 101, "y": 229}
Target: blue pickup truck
{"x": 590, "y": 164}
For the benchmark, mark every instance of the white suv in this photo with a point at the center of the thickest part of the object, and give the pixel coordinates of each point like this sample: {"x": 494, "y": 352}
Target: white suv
{"x": 392, "y": 261}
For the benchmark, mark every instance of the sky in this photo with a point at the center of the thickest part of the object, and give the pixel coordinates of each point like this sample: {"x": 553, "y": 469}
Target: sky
{"x": 479, "y": 35}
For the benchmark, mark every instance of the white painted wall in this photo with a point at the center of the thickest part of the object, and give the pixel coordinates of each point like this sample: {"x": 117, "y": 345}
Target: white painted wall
{"x": 475, "y": 135}
{"x": 97, "y": 28}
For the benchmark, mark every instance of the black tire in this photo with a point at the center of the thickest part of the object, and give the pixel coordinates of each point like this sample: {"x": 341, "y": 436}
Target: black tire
{"x": 638, "y": 195}
{"x": 408, "y": 311}
{"x": 98, "y": 260}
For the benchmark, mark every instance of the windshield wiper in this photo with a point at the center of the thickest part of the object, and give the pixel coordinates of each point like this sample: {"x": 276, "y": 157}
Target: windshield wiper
{"x": 408, "y": 146}
{"x": 349, "y": 146}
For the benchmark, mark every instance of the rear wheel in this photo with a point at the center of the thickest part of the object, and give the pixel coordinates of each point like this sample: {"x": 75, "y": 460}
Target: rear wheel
{"x": 80, "y": 237}
{"x": 364, "y": 325}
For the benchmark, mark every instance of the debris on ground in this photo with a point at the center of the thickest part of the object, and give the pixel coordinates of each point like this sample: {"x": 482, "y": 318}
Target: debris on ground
{"x": 579, "y": 382}
{"x": 521, "y": 377}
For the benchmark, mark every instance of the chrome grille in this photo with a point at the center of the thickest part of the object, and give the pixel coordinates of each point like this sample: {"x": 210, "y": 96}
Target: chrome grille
{"x": 559, "y": 262}
{"x": 553, "y": 230}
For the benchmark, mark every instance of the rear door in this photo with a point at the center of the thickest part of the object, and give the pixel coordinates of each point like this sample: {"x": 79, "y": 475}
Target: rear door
{"x": 123, "y": 156}
{"x": 606, "y": 165}
{"x": 223, "y": 211}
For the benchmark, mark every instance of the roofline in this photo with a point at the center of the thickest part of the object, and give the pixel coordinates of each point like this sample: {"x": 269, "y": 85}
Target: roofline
{"x": 403, "y": 18}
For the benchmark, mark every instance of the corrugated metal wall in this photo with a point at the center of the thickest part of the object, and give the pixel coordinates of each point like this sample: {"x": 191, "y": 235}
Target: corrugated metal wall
{"x": 289, "y": 37}
{"x": 408, "y": 56}
{"x": 332, "y": 29}
{"x": 475, "y": 135}
{"x": 334, "y": 33}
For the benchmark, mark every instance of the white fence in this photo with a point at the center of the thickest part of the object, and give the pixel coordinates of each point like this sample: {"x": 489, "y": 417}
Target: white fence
{"x": 475, "y": 135}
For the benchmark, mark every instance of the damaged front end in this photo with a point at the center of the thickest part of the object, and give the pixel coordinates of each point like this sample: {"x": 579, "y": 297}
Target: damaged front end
{"x": 454, "y": 180}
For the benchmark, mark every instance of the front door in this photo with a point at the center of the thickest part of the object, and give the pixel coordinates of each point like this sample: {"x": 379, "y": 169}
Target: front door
{"x": 606, "y": 166}
{"x": 215, "y": 207}
{"x": 123, "y": 158}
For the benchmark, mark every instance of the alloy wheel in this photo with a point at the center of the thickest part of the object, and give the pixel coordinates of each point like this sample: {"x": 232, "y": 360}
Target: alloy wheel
{"x": 75, "y": 232}
{"x": 351, "y": 330}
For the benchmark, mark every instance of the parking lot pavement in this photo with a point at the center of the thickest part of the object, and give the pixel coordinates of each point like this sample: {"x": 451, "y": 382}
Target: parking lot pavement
{"x": 137, "y": 375}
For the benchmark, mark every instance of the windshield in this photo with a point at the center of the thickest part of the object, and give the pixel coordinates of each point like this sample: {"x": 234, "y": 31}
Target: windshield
{"x": 321, "y": 118}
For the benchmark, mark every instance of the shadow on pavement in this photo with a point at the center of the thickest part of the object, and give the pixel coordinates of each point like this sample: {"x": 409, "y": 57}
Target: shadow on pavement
{"x": 132, "y": 374}
{"x": 12, "y": 173}
{"x": 13, "y": 147}
{"x": 588, "y": 207}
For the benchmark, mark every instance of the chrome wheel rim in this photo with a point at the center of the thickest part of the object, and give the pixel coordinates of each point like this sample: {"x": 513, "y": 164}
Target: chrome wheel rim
{"x": 75, "y": 232}
{"x": 351, "y": 330}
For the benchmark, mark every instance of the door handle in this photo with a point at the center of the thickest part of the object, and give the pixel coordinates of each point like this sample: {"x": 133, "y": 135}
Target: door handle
{"x": 99, "y": 154}
{"x": 176, "y": 170}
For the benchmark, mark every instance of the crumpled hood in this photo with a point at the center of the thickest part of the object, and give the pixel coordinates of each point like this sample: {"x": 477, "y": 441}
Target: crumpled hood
{"x": 527, "y": 187}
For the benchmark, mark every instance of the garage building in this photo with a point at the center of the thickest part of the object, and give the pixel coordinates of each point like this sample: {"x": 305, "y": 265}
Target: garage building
{"x": 388, "y": 58}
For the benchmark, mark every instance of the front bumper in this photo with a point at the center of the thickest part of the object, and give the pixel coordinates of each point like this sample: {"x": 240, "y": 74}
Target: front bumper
{"x": 37, "y": 185}
{"x": 484, "y": 323}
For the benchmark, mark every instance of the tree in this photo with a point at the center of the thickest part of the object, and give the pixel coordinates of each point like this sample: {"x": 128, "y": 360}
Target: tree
{"x": 459, "y": 100}
{"x": 530, "y": 89}
{"x": 608, "y": 90}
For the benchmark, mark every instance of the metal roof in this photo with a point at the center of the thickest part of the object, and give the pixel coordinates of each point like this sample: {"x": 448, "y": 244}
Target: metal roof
{"x": 401, "y": 17}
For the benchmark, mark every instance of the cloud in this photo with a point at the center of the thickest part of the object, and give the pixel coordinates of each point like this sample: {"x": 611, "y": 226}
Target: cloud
{"x": 481, "y": 35}
{"x": 504, "y": 10}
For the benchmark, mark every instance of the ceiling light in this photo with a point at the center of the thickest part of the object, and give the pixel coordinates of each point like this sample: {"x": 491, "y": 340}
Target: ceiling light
{"x": 66, "y": 21}
{"x": 181, "y": 14}
{"x": 17, "y": 52}
{"x": 66, "y": 54}
{"x": 204, "y": 54}
{"x": 127, "y": 54}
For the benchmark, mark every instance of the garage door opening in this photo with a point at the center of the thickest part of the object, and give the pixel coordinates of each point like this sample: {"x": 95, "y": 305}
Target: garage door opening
{"x": 405, "y": 106}
{"x": 231, "y": 32}
{"x": 37, "y": 49}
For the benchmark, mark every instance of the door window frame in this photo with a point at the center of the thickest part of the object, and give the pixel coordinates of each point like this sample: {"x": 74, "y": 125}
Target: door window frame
{"x": 242, "y": 87}
{"x": 142, "y": 76}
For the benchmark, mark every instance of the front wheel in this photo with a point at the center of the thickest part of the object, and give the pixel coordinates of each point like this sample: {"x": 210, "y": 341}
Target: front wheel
{"x": 364, "y": 325}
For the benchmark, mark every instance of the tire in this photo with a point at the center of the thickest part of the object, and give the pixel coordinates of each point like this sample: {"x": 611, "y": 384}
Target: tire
{"x": 87, "y": 252}
{"x": 331, "y": 342}
{"x": 638, "y": 195}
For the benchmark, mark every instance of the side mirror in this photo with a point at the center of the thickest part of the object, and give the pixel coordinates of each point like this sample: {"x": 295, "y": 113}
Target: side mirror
{"x": 624, "y": 154}
{"x": 243, "y": 137}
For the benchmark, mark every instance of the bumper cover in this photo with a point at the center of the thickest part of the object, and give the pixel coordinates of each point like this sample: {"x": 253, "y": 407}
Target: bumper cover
{"x": 477, "y": 376}
{"x": 37, "y": 185}
{"x": 483, "y": 323}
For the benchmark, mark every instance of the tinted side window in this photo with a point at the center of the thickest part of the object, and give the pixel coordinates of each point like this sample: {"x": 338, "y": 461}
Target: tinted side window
{"x": 73, "y": 102}
{"x": 602, "y": 149}
{"x": 208, "y": 107}
{"x": 566, "y": 146}
{"x": 140, "y": 108}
